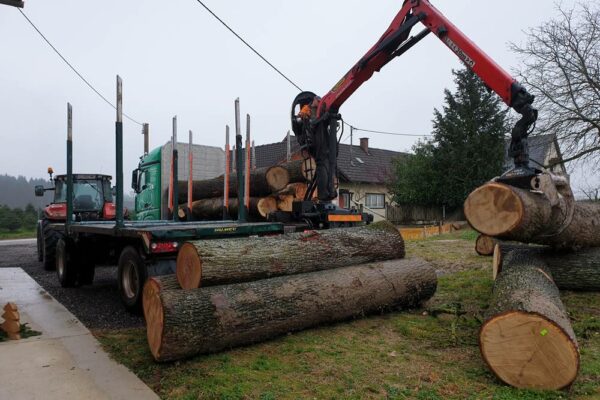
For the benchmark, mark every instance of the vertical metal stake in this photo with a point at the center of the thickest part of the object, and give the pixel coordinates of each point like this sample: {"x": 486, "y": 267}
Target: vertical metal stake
{"x": 190, "y": 179}
{"x": 226, "y": 175}
{"x": 119, "y": 148}
{"x": 69, "y": 164}
{"x": 146, "y": 133}
{"x": 247, "y": 170}
{"x": 175, "y": 189}
{"x": 239, "y": 160}
{"x": 253, "y": 156}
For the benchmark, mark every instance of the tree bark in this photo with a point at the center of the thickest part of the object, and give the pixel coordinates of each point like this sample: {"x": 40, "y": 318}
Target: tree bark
{"x": 299, "y": 171}
{"x": 578, "y": 271}
{"x": 484, "y": 245}
{"x": 221, "y": 261}
{"x": 263, "y": 182}
{"x": 527, "y": 339}
{"x": 183, "y": 323}
{"x": 544, "y": 217}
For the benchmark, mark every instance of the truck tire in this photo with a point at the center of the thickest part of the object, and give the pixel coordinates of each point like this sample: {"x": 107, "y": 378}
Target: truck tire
{"x": 40, "y": 242}
{"x": 50, "y": 239}
{"x": 132, "y": 275}
{"x": 86, "y": 272}
{"x": 65, "y": 264}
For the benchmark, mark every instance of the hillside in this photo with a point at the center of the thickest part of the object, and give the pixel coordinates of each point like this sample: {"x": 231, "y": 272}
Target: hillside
{"x": 19, "y": 191}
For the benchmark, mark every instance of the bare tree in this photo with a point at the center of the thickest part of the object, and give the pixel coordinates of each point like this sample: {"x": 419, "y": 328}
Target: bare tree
{"x": 561, "y": 66}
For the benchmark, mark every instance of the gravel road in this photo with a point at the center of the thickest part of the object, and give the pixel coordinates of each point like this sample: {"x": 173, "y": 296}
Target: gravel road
{"x": 97, "y": 306}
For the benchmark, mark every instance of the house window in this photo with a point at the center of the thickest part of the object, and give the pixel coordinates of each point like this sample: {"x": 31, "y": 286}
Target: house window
{"x": 375, "y": 200}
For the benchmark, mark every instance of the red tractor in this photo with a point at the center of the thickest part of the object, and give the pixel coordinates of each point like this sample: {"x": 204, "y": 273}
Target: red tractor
{"x": 92, "y": 201}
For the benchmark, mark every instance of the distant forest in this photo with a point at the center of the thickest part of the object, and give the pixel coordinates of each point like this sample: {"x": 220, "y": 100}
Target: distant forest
{"x": 19, "y": 192}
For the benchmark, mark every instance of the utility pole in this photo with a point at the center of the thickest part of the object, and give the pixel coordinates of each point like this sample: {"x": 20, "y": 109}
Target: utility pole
{"x": 146, "y": 133}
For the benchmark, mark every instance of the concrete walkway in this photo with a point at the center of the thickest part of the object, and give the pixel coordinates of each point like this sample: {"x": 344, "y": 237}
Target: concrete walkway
{"x": 66, "y": 361}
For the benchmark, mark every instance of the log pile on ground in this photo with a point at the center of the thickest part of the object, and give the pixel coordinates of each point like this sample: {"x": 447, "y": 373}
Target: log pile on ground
{"x": 271, "y": 189}
{"x": 527, "y": 339}
{"x": 223, "y": 261}
{"x": 183, "y": 323}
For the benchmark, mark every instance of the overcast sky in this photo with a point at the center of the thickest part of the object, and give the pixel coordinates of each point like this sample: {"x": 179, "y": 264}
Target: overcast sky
{"x": 175, "y": 59}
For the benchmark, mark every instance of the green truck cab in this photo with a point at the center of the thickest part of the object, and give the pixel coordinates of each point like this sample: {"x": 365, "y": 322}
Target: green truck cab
{"x": 151, "y": 179}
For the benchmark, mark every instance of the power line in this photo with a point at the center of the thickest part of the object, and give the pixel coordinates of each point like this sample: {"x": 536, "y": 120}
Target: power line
{"x": 248, "y": 45}
{"x": 73, "y": 68}
{"x": 285, "y": 76}
{"x": 385, "y": 132}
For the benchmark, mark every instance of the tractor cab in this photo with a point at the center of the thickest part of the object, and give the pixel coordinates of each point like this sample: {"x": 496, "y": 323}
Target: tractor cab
{"x": 92, "y": 198}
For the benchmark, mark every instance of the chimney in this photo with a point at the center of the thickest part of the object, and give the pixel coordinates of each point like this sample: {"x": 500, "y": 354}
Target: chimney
{"x": 364, "y": 144}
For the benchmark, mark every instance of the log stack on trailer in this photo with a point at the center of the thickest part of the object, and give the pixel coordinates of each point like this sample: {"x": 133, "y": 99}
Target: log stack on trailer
{"x": 527, "y": 339}
{"x": 229, "y": 293}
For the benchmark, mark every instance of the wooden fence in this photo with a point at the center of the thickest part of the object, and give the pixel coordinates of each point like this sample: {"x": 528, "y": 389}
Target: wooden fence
{"x": 424, "y": 232}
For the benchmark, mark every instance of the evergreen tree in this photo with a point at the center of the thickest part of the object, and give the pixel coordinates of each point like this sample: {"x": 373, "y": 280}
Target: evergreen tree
{"x": 467, "y": 148}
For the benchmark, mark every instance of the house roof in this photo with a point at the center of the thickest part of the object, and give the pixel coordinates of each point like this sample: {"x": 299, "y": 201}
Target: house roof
{"x": 354, "y": 164}
{"x": 539, "y": 147}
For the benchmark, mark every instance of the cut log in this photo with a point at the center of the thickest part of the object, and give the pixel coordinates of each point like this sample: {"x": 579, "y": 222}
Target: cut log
{"x": 183, "y": 323}
{"x": 221, "y": 261}
{"x": 571, "y": 270}
{"x": 285, "y": 203}
{"x": 550, "y": 217}
{"x": 263, "y": 182}
{"x": 527, "y": 339}
{"x": 212, "y": 209}
{"x": 484, "y": 245}
{"x": 297, "y": 189}
{"x": 300, "y": 170}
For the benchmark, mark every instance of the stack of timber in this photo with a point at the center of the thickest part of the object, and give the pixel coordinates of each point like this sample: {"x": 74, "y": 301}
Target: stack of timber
{"x": 183, "y": 323}
{"x": 223, "y": 261}
{"x": 527, "y": 339}
{"x": 235, "y": 292}
{"x": 271, "y": 189}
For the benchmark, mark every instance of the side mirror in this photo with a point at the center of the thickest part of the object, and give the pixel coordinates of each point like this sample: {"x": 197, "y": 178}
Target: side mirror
{"x": 134, "y": 180}
{"x": 113, "y": 190}
{"x": 39, "y": 191}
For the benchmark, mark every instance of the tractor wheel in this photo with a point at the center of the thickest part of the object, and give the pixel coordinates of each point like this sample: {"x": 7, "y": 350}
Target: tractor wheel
{"x": 50, "y": 238}
{"x": 132, "y": 275}
{"x": 66, "y": 260}
{"x": 40, "y": 242}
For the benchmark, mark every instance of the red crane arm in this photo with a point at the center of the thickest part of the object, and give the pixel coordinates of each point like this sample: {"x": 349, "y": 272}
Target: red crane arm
{"x": 396, "y": 37}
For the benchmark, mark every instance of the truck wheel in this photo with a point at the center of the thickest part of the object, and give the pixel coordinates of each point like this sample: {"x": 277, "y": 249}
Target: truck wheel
{"x": 86, "y": 272}
{"x": 40, "y": 242}
{"x": 50, "y": 238}
{"x": 65, "y": 264}
{"x": 131, "y": 277}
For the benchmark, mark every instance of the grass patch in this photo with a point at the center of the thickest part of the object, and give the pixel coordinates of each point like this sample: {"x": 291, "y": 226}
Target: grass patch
{"x": 427, "y": 353}
{"x": 20, "y": 234}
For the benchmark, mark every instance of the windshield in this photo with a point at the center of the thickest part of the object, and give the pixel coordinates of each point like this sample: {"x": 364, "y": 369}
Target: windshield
{"x": 88, "y": 195}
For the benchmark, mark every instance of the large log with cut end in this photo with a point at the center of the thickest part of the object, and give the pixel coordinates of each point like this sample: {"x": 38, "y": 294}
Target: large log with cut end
{"x": 571, "y": 270}
{"x": 529, "y": 216}
{"x": 263, "y": 182}
{"x": 527, "y": 339}
{"x": 221, "y": 261}
{"x": 484, "y": 245}
{"x": 183, "y": 323}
